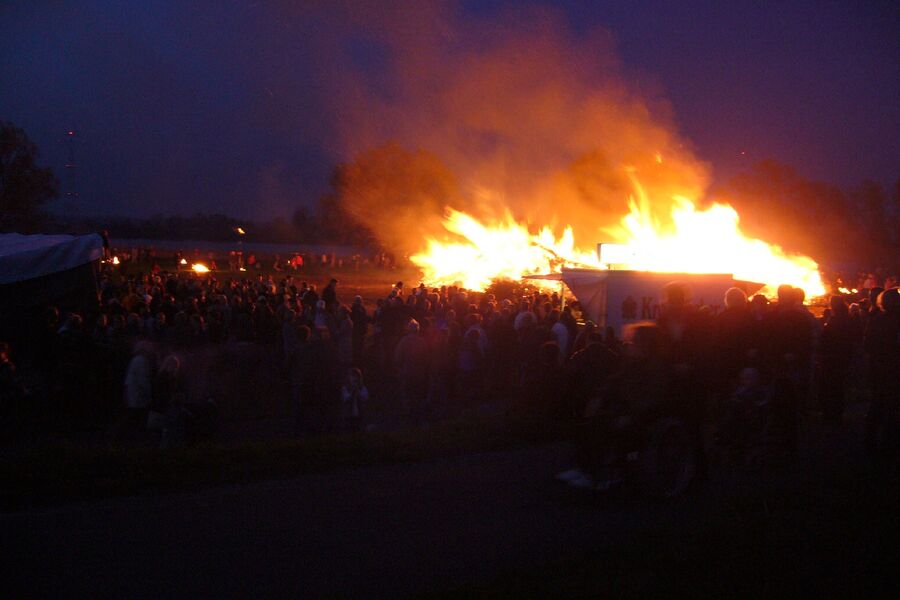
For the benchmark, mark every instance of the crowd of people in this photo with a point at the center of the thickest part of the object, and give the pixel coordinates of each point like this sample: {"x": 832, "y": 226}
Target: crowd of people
{"x": 863, "y": 282}
{"x": 252, "y": 261}
{"x": 426, "y": 352}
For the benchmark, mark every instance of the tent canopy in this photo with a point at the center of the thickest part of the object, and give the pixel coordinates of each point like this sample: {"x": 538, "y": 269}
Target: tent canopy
{"x": 617, "y": 297}
{"x": 24, "y": 257}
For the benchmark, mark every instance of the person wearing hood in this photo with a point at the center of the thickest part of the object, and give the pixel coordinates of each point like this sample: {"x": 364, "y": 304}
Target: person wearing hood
{"x": 329, "y": 295}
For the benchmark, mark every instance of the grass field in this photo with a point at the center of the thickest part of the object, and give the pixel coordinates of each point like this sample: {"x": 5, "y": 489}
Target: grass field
{"x": 66, "y": 472}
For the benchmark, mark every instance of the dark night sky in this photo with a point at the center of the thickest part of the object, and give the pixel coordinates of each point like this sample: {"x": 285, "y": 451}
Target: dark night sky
{"x": 225, "y": 106}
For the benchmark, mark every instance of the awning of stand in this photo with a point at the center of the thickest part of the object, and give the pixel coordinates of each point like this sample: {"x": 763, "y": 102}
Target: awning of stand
{"x": 576, "y": 276}
{"x": 24, "y": 257}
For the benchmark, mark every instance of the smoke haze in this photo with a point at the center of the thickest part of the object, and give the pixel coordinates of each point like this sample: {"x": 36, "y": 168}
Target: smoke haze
{"x": 520, "y": 114}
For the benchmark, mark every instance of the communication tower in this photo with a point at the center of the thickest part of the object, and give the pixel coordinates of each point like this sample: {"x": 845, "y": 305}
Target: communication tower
{"x": 71, "y": 188}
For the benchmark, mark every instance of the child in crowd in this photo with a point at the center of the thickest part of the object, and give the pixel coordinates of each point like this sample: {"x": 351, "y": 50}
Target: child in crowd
{"x": 354, "y": 396}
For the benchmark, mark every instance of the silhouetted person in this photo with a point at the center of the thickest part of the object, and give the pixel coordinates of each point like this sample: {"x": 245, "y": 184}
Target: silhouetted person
{"x": 354, "y": 397}
{"x": 836, "y": 352}
{"x": 168, "y": 411}
{"x": 581, "y": 339}
{"x": 343, "y": 333}
{"x": 588, "y": 371}
{"x": 628, "y": 402}
{"x": 360, "y": 319}
{"x": 328, "y": 378}
{"x": 310, "y": 298}
{"x": 263, "y": 321}
{"x": 470, "y": 368}
{"x": 678, "y": 329}
{"x": 546, "y": 387}
{"x": 503, "y": 349}
{"x": 302, "y": 368}
{"x": 883, "y": 346}
{"x": 411, "y": 360}
{"x": 790, "y": 337}
{"x": 560, "y": 334}
{"x": 745, "y": 416}
{"x": 732, "y": 339}
{"x": 329, "y": 295}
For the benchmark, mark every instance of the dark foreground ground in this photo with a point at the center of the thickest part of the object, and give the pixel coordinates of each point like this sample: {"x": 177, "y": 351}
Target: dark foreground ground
{"x": 483, "y": 524}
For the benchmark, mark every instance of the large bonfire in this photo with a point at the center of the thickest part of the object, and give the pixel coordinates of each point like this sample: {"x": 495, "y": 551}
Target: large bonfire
{"x": 542, "y": 121}
{"x": 692, "y": 240}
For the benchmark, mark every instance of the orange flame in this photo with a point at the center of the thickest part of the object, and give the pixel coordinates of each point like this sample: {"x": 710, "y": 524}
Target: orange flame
{"x": 696, "y": 241}
{"x": 710, "y": 241}
{"x": 503, "y": 251}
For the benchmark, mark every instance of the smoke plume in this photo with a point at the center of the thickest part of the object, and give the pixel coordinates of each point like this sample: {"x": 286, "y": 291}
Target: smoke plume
{"x": 516, "y": 113}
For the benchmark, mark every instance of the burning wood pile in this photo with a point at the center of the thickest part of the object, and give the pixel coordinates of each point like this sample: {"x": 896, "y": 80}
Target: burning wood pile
{"x": 474, "y": 253}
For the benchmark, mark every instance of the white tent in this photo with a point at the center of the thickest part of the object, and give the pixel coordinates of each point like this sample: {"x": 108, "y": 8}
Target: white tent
{"x": 613, "y": 298}
{"x": 39, "y": 271}
{"x": 24, "y": 257}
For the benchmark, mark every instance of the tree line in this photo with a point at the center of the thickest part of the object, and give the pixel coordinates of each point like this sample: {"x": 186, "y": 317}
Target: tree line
{"x": 840, "y": 227}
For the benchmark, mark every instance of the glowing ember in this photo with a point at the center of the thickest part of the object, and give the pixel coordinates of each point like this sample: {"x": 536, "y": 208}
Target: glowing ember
{"x": 696, "y": 241}
{"x": 200, "y": 268}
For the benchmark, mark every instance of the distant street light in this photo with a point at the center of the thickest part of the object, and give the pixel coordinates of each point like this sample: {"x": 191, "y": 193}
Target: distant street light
{"x": 240, "y": 251}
